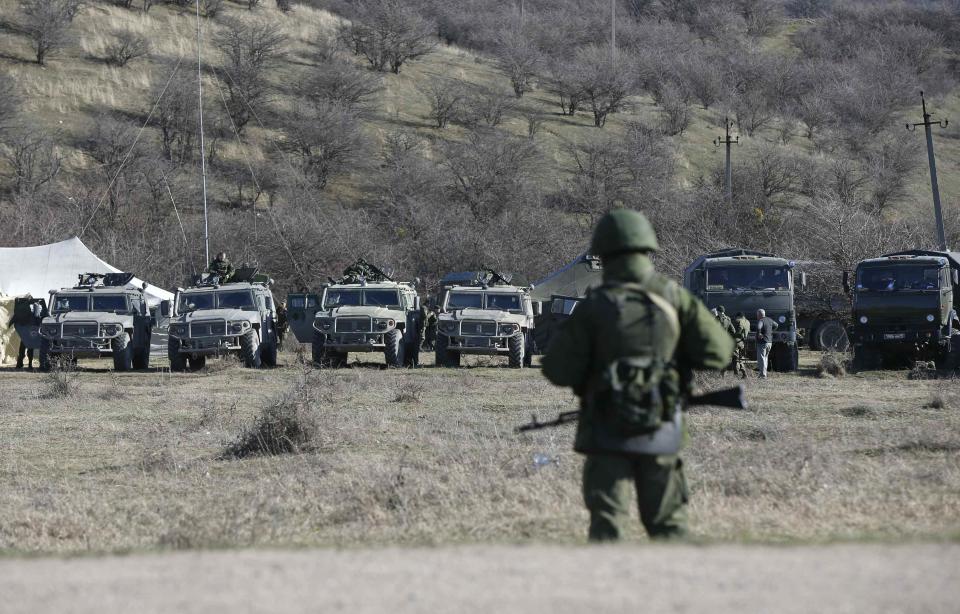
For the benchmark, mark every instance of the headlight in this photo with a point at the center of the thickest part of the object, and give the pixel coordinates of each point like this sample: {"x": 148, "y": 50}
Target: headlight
{"x": 782, "y": 319}
{"x": 863, "y": 319}
{"x": 237, "y": 328}
{"x": 384, "y": 324}
{"x": 110, "y": 330}
{"x": 930, "y": 318}
{"x": 177, "y": 329}
{"x": 448, "y": 326}
{"x": 509, "y": 329}
{"x": 324, "y": 324}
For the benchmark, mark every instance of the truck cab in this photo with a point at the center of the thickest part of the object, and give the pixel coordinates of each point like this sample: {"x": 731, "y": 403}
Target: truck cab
{"x": 744, "y": 281}
{"x": 904, "y": 308}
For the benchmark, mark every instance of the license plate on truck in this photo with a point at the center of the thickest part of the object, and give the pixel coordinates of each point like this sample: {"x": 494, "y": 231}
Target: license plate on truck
{"x": 894, "y": 336}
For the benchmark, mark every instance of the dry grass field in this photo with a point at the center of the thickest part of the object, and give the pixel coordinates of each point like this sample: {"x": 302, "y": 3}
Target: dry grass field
{"x": 139, "y": 462}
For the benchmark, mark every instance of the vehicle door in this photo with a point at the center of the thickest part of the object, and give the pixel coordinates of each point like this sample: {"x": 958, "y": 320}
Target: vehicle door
{"x": 301, "y": 309}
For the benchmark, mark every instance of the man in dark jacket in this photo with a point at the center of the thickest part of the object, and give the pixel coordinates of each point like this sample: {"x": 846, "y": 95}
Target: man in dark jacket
{"x": 765, "y": 328}
{"x": 628, "y": 352}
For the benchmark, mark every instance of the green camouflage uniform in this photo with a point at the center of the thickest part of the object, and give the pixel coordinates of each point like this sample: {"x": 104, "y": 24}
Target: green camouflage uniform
{"x": 221, "y": 268}
{"x": 724, "y": 320}
{"x": 742, "y": 330}
{"x": 428, "y": 327}
{"x": 580, "y": 352}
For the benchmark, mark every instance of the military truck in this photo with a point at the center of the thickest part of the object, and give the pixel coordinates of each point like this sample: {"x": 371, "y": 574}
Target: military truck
{"x": 742, "y": 280}
{"x": 215, "y": 319}
{"x": 905, "y": 309}
{"x": 559, "y": 294}
{"x": 101, "y": 316}
{"x": 363, "y": 311}
{"x": 482, "y": 313}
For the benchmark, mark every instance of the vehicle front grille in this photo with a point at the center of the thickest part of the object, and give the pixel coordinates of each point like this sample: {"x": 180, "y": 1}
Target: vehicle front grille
{"x": 478, "y": 328}
{"x": 215, "y": 328}
{"x": 354, "y": 325}
{"x": 81, "y": 330}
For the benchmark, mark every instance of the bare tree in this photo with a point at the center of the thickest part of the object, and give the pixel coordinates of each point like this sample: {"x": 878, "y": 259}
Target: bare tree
{"x": 341, "y": 83}
{"x": 176, "y": 116}
{"x": 388, "y": 33}
{"x": 285, "y": 6}
{"x": 604, "y": 85}
{"x": 33, "y": 157}
{"x": 328, "y": 139}
{"x": 10, "y": 101}
{"x": 520, "y": 60}
{"x": 126, "y": 46}
{"x": 675, "y": 112}
{"x": 250, "y": 50}
{"x": 484, "y": 106}
{"x": 252, "y": 4}
{"x": 446, "y": 99}
{"x": 211, "y": 8}
{"x": 47, "y": 23}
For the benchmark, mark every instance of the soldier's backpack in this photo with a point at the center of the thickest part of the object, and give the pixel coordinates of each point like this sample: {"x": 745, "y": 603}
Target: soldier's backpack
{"x": 643, "y": 328}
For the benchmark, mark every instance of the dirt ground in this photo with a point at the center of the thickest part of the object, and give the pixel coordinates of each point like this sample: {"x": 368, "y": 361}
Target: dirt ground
{"x": 721, "y": 579}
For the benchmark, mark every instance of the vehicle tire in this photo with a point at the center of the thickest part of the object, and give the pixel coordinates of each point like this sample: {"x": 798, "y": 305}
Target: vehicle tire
{"x": 122, "y": 352}
{"x": 323, "y": 358}
{"x": 866, "y": 358}
{"x": 44, "y": 355}
{"x": 444, "y": 357}
{"x": 197, "y": 362}
{"x": 394, "y": 348}
{"x": 268, "y": 354}
{"x": 178, "y": 361}
{"x": 953, "y": 358}
{"x": 830, "y": 336}
{"x": 515, "y": 344}
{"x": 250, "y": 350}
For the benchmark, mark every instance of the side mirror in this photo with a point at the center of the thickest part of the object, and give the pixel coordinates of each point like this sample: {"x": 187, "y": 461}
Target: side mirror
{"x": 956, "y": 277}
{"x": 537, "y": 308}
{"x": 165, "y": 308}
{"x": 416, "y": 303}
{"x": 846, "y": 282}
{"x": 803, "y": 280}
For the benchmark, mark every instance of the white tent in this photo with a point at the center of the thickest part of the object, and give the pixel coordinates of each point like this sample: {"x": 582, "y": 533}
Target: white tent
{"x": 37, "y": 270}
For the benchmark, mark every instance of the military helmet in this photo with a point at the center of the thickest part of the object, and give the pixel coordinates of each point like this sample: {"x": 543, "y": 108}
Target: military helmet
{"x": 222, "y": 256}
{"x": 721, "y": 309}
{"x": 623, "y": 231}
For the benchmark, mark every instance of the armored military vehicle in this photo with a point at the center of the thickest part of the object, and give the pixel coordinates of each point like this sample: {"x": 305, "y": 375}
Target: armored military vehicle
{"x": 482, "y": 313}
{"x": 98, "y": 317}
{"x": 363, "y": 311}
{"x": 905, "y": 309}
{"x": 744, "y": 280}
{"x": 213, "y": 319}
{"x": 559, "y": 294}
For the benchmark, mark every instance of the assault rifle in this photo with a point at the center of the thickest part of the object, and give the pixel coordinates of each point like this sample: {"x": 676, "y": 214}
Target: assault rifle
{"x": 734, "y": 398}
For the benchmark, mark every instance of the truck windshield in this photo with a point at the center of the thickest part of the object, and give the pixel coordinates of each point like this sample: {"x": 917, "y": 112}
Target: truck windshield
{"x": 236, "y": 299}
{"x": 748, "y": 278}
{"x": 371, "y": 298}
{"x": 198, "y": 300}
{"x": 71, "y": 302}
{"x": 463, "y": 300}
{"x": 503, "y": 302}
{"x": 898, "y": 277}
{"x": 381, "y": 298}
{"x": 109, "y": 302}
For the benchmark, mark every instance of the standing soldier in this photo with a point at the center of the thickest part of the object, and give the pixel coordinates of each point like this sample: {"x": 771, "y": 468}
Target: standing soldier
{"x": 221, "y": 267}
{"x": 281, "y": 323}
{"x": 724, "y": 320}
{"x": 26, "y": 313}
{"x": 742, "y": 327}
{"x": 765, "y": 328}
{"x": 628, "y": 352}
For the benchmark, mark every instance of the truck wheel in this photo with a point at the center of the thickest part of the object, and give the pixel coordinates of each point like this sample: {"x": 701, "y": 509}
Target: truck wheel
{"x": 444, "y": 357}
{"x": 122, "y": 352}
{"x": 268, "y": 353}
{"x": 516, "y": 346}
{"x": 197, "y": 362}
{"x": 250, "y": 350}
{"x": 44, "y": 355}
{"x": 395, "y": 348}
{"x": 830, "y": 336}
{"x": 953, "y": 358}
{"x": 783, "y": 358}
{"x": 178, "y": 361}
{"x": 866, "y": 358}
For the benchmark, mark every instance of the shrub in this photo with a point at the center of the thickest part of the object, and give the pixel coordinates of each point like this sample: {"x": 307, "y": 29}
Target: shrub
{"x": 288, "y": 426}
{"x": 126, "y": 46}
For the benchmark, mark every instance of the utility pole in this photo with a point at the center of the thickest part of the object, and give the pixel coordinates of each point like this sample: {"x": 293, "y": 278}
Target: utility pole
{"x": 521, "y": 13}
{"x": 728, "y": 169}
{"x": 927, "y": 123}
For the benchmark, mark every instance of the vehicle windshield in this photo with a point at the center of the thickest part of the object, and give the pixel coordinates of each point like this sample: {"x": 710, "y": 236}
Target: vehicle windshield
{"x": 463, "y": 300}
{"x": 898, "y": 277}
{"x": 355, "y": 296}
{"x": 225, "y": 299}
{"x": 757, "y": 277}
{"x": 109, "y": 302}
{"x": 564, "y": 306}
{"x": 503, "y": 302}
{"x": 71, "y": 302}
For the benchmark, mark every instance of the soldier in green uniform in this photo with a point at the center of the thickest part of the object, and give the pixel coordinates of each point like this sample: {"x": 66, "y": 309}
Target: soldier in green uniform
{"x": 628, "y": 352}
{"x": 428, "y": 326}
{"x": 724, "y": 320}
{"x": 221, "y": 267}
{"x": 741, "y": 327}
{"x": 282, "y": 323}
